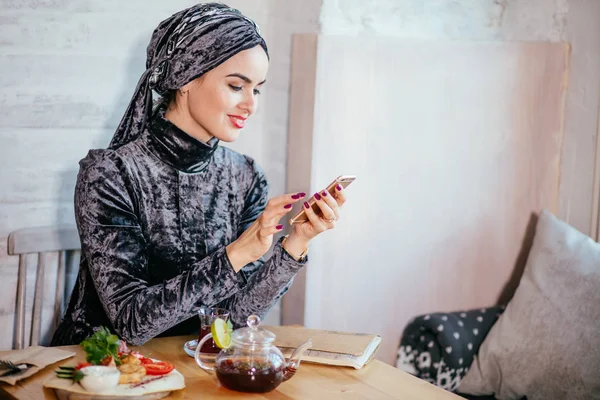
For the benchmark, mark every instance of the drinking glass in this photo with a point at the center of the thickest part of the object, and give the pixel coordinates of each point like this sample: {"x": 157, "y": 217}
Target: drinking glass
{"x": 207, "y": 316}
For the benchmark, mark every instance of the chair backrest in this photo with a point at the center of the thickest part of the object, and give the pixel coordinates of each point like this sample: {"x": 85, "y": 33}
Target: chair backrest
{"x": 41, "y": 241}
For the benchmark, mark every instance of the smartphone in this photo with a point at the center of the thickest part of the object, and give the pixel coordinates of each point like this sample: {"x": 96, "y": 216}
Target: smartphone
{"x": 343, "y": 181}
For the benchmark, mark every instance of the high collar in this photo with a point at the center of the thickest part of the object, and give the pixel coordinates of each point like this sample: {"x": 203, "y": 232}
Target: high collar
{"x": 177, "y": 148}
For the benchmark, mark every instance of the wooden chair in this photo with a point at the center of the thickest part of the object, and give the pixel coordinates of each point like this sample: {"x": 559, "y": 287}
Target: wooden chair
{"x": 43, "y": 240}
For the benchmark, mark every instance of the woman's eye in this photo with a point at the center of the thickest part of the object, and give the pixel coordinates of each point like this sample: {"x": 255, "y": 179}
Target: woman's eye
{"x": 235, "y": 88}
{"x": 256, "y": 91}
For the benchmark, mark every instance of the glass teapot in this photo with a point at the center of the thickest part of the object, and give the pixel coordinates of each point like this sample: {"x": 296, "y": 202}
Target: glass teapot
{"x": 252, "y": 363}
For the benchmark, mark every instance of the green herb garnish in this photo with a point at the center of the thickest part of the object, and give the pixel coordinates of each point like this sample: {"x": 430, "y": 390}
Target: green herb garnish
{"x": 101, "y": 345}
{"x": 69, "y": 373}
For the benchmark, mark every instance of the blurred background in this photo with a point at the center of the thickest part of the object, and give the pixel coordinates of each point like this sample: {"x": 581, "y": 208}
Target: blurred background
{"x": 462, "y": 119}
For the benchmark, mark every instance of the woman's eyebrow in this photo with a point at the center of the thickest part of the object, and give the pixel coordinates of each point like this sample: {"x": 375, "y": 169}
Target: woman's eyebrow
{"x": 244, "y": 78}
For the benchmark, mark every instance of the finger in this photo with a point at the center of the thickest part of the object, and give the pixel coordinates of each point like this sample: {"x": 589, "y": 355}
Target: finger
{"x": 269, "y": 219}
{"x": 340, "y": 195}
{"x": 327, "y": 214}
{"x": 331, "y": 202}
{"x": 269, "y": 230}
{"x": 317, "y": 223}
{"x": 284, "y": 199}
{"x": 279, "y": 206}
{"x": 273, "y": 213}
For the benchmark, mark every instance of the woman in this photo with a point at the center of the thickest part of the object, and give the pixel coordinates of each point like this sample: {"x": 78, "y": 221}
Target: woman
{"x": 168, "y": 219}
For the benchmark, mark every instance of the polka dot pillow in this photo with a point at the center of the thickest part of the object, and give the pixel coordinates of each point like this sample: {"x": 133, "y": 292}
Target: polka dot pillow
{"x": 440, "y": 347}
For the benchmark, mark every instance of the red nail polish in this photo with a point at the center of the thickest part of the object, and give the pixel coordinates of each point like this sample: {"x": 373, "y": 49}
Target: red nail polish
{"x": 338, "y": 187}
{"x": 306, "y": 204}
{"x": 295, "y": 196}
{"x": 287, "y": 206}
{"x": 324, "y": 193}
{"x": 279, "y": 227}
{"x": 301, "y": 194}
{"x": 317, "y": 196}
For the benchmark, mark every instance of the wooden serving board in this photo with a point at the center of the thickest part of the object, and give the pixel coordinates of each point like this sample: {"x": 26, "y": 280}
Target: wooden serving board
{"x": 67, "y": 390}
{"x": 66, "y": 395}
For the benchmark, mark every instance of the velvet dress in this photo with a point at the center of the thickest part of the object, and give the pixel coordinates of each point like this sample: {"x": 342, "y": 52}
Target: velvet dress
{"x": 154, "y": 217}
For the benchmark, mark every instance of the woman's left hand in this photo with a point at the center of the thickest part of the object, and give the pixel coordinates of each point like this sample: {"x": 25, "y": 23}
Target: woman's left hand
{"x": 330, "y": 205}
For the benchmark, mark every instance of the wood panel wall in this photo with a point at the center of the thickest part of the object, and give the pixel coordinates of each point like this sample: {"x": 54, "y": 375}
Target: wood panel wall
{"x": 456, "y": 146}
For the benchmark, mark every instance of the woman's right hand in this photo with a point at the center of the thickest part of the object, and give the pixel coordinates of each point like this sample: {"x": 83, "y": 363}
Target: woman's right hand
{"x": 258, "y": 238}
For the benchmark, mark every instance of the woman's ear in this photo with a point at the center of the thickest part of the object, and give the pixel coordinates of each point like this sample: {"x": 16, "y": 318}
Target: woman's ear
{"x": 181, "y": 95}
{"x": 190, "y": 85}
{"x": 186, "y": 88}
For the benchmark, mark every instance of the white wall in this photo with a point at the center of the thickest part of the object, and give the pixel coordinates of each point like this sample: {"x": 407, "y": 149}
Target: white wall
{"x": 68, "y": 72}
{"x": 573, "y": 21}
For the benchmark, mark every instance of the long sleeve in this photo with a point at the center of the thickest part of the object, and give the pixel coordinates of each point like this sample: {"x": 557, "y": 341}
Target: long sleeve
{"x": 271, "y": 281}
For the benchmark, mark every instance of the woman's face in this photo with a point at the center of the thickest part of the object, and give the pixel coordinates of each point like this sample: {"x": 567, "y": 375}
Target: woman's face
{"x": 219, "y": 102}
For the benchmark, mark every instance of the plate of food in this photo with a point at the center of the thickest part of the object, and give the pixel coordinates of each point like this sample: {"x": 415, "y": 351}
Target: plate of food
{"x": 112, "y": 371}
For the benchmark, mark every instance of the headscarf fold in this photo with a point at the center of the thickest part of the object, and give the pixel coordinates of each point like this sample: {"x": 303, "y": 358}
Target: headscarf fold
{"x": 184, "y": 47}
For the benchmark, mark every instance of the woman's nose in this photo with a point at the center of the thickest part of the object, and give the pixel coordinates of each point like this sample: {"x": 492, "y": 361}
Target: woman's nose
{"x": 249, "y": 103}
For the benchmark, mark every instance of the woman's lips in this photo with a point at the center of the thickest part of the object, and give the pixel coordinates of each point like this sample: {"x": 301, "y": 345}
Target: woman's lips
{"x": 237, "y": 121}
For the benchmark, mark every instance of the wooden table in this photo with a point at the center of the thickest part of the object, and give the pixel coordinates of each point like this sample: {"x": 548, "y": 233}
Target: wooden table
{"x": 374, "y": 381}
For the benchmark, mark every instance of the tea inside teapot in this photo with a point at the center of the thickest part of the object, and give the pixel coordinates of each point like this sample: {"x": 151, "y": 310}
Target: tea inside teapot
{"x": 252, "y": 363}
{"x": 249, "y": 376}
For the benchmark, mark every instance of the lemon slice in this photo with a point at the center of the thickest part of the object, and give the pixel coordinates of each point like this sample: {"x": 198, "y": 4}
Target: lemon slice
{"x": 220, "y": 333}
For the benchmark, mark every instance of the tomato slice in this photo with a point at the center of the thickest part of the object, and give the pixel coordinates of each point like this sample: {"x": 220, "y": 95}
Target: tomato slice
{"x": 82, "y": 365}
{"x": 145, "y": 360}
{"x": 159, "y": 368}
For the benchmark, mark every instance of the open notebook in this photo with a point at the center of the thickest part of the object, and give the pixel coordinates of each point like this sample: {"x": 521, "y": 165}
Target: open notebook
{"x": 329, "y": 347}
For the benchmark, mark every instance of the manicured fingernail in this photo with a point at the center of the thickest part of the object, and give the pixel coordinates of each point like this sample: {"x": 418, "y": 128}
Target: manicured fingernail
{"x": 317, "y": 196}
{"x": 324, "y": 193}
{"x": 295, "y": 196}
{"x": 338, "y": 187}
{"x": 287, "y": 206}
{"x": 279, "y": 227}
{"x": 301, "y": 194}
{"x": 306, "y": 205}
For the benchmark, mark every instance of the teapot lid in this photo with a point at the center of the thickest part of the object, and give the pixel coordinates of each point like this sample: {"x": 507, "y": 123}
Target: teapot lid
{"x": 253, "y": 334}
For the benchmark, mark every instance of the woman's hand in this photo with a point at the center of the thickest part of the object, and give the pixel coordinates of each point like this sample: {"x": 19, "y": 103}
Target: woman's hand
{"x": 330, "y": 205}
{"x": 258, "y": 238}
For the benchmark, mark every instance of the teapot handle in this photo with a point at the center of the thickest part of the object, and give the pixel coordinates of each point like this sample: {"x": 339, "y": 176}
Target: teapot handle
{"x": 197, "y": 353}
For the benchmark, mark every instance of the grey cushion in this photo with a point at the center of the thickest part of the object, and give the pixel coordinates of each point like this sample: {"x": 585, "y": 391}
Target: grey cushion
{"x": 546, "y": 344}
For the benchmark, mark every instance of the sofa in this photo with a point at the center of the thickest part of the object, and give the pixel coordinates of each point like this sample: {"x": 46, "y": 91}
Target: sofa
{"x": 543, "y": 344}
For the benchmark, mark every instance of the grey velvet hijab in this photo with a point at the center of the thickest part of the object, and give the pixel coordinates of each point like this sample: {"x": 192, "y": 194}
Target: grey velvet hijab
{"x": 184, "y": 47}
